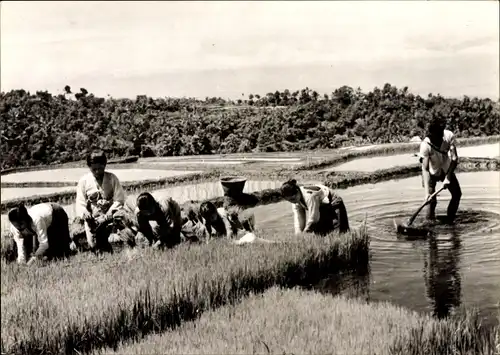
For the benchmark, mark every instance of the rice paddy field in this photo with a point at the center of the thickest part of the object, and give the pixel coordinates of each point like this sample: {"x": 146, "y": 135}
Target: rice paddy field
{"x": 366, "y": 292}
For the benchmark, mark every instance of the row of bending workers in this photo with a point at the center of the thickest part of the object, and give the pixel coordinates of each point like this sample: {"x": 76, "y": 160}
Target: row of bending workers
{"x": 42, "y": 231}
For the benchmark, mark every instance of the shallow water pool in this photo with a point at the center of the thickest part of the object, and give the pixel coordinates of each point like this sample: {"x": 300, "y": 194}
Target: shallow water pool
{"x": 385, "y": 162}
{"x": 9, "y": 193}
{"x": 74, "y": 174}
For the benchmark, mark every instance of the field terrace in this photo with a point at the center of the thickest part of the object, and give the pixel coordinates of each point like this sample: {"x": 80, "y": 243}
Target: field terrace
{"x": 109, "y": 304}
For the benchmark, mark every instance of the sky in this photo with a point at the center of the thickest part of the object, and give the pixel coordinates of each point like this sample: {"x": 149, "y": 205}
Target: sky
{"x": 230, "y": 49}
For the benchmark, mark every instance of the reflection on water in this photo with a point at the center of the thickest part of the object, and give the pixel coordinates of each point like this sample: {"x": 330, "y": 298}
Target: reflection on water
{"x": 74, "y": 174}
{"x": 375, "y": 163}
{"x": 441, "y": 273}
{"x": 354, "y": 284}
{"x": 207, "y": 190}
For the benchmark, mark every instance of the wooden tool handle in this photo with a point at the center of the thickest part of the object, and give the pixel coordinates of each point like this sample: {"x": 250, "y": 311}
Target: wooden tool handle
{"x": 412, "y": 218}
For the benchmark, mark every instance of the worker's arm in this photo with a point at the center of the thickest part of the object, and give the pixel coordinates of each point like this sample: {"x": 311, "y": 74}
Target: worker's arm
{"x": 313, "y": 211}
{"x": 175, "y": 215}
{"x": 424, "y": 155}
{"x": 143, "y": 226}
{"x": 41, "y": 226}
{"x": 81, "y": 200}
{"x": 118, "y": 196}
{"x": 21, "y": 252}
{"x": 453, "y": 163}
{"x": 299, "y": 218}
{"x": 225, "y": 219}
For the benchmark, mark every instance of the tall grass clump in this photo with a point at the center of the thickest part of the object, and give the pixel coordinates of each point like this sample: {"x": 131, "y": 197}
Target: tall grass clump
{"x": 463, "y": 335}
{"x": 305, "y": 322}
{"x": 77, "y": 306}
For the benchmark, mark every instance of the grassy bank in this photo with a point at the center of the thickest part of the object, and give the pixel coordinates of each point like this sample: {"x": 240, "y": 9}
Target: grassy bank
{"x": 67, "y": 307}
{"x": 305, "y": 322}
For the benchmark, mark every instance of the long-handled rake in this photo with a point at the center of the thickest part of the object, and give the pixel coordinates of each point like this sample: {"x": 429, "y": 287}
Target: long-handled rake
{"x": 407, "y": 229}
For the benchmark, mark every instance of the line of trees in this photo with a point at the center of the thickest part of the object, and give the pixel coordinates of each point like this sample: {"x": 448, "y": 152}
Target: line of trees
{"x": 42, "y": 128}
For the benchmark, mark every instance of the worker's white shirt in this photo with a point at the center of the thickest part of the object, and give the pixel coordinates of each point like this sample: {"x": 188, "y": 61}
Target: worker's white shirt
{"x": 89, "y": 189}
{"x": 439, "y": 161}
{"x": 41, "y": 216}
{"x": 313, "y": 199}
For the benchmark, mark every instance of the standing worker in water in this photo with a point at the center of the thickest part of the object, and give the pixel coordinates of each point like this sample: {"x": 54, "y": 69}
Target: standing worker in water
{"x": 316, "y": 208}
{"x": 439, "y": 158}
{"x": 99, "y": 195}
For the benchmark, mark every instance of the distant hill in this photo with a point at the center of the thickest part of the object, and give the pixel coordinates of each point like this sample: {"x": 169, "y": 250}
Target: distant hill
{"x": 42, "y": 128}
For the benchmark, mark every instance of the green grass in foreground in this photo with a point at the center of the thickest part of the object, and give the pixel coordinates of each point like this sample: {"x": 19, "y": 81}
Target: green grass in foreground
{"x": 70, "y": 306}
{"x": 305, "y": 322}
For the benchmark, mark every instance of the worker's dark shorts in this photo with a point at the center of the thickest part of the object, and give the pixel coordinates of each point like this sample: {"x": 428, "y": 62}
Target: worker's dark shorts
{"x": 58, "y": 232}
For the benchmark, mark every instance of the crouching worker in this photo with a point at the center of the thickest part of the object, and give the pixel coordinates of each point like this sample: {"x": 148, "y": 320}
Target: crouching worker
{"x": 324, "y": 209}
{"x": 42, "y": 229}
{"x": 439, "y": 158}
{"x": 193, "y": 227}
{"x": 166, "y": 215}
{"x": 222, "y": 222}
{"x": 99, "y": 196}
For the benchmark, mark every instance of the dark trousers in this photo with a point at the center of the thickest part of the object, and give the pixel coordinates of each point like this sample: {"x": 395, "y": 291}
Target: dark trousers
{"x": 58, "y": 235}
{"x": 332, "y": 215}
{"x": 456, "y": 194}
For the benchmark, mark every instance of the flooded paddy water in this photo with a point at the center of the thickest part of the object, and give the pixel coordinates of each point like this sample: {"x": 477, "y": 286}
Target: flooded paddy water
{"x": 74, "y": 174}
{"x": 460, "y": 267}
{"x": 9, "y": 193}
{"x": 384, "y": 162}
{"x": 209, "y": 163}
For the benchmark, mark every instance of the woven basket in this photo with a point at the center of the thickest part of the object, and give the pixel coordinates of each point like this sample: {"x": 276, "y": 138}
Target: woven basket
{"x": 232, "y": 185}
